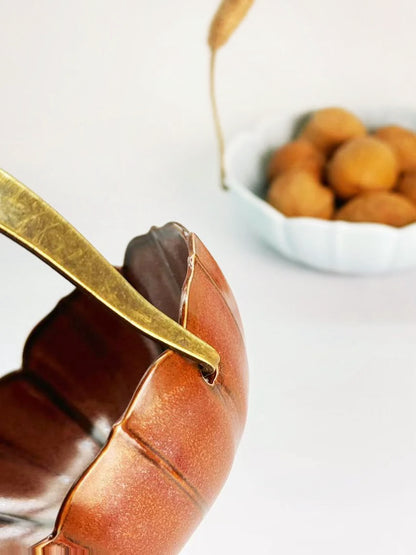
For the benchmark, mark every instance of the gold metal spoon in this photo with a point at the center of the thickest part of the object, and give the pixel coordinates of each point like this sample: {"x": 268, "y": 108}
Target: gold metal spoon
{"x": 31, "y": 222}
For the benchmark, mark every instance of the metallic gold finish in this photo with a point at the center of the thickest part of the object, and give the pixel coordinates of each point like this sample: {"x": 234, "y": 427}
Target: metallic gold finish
{"x": 31, "y": 222}
{"x": 227, "y": 18}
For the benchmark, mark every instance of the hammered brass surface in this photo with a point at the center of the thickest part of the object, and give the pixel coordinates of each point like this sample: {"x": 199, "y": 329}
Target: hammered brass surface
{"x": 31, "y": 222}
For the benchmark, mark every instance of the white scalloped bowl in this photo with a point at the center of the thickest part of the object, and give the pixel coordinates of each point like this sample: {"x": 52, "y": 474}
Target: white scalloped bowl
{"x": 334, "y": 246}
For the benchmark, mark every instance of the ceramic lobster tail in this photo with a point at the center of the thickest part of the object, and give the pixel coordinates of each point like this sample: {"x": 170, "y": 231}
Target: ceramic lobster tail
{"x": 124, "y": 443}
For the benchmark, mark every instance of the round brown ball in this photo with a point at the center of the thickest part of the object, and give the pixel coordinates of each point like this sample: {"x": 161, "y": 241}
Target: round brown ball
{"x": 297, "y": 155}
{"x": 330, "y": 127}
{"x": 380, "y": 207}
{"x": 298, "y": 193}
{"x": 403, "y": 143}
{"x": 363, "y": 164}
{"x": 407, "y": 186}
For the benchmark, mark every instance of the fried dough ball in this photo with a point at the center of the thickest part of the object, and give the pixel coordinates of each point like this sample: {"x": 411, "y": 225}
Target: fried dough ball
{"x": 330, "y": 127}
{"x": 362, "y": 164}
{"x": 407, "y": 186}
{"x": 403, "y": 143}
{"x": 297, "y": 155}
{"x": 379, "y": 207}
{"x": 298, "y": 193}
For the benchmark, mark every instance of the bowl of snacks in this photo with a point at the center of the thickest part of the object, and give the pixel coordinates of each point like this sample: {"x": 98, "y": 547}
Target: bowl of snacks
{"x": 334, "y": 190}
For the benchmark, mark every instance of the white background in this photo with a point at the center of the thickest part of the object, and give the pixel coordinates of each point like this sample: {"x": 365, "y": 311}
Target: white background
{"x": 104, "y": 112}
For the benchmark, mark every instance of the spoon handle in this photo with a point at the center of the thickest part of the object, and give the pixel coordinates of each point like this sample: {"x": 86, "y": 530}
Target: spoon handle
{"x": 31, "y": 222}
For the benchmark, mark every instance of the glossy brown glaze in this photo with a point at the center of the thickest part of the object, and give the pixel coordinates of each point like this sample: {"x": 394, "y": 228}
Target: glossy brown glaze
{"x": 128, "y": 443}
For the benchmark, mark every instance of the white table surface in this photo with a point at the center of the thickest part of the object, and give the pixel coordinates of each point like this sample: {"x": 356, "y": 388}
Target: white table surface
{"x": 104, "y": 112}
